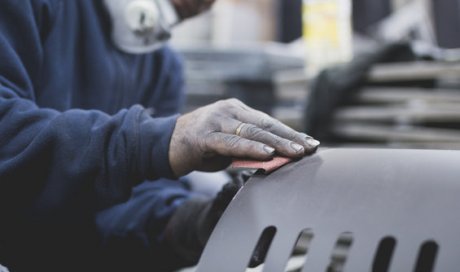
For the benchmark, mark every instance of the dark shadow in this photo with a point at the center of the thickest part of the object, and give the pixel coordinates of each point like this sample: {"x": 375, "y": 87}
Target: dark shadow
{"x": 426, "y": 257}
{"x": 384, "y": 254}
{"x": 261, "y": 249}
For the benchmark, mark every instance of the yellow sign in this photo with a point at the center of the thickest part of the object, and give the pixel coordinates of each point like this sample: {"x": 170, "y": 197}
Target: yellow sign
{"x": 320, "y": 22}
{"x": 327, "y": 33}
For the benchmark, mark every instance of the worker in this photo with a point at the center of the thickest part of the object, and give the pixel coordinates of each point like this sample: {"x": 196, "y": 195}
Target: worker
{"x": 89, "y": 96}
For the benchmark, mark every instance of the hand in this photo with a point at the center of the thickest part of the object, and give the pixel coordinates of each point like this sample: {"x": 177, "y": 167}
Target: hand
{"x": 190, "y": 8}
{"x": 208, "y": 138}
{"x": 192, "y": 223}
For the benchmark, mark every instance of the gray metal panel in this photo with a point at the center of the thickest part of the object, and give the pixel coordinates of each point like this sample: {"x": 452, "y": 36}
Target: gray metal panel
{"x": 411, "y": 195}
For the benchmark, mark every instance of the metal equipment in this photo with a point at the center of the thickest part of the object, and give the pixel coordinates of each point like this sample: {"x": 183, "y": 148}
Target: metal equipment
{"x": 346, "y": 210}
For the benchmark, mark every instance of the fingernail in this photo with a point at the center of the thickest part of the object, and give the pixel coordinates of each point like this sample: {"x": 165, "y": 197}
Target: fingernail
{"x": 269, "y": 150}
{"x": 298, "y": 148}
{"x": 313, "y": 142}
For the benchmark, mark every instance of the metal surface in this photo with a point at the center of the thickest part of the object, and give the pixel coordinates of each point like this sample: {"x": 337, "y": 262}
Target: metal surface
{"x": 411, "y": 196}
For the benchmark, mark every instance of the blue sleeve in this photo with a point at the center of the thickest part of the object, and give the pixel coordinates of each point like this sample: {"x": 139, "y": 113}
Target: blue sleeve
{"x": 76, "y": 156}
{"x": 131, "y": 232}
{"x": 172, "y": 98}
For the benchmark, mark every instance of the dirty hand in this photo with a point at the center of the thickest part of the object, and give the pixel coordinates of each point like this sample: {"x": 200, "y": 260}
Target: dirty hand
{"x": 208, "y": 138}
{"x": 190, "y": 8}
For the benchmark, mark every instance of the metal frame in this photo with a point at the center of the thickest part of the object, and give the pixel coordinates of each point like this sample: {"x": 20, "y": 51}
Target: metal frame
{"x": 411, "y": 196}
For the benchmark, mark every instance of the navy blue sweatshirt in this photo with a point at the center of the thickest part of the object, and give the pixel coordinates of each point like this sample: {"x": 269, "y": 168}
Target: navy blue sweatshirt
{"x": 81, "y": 123}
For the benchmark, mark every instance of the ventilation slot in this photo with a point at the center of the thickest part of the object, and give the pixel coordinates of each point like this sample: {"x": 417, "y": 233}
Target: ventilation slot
{"x": 426, "y": 257}
{"x": 300, "y": 251}
{"x": 384, "y": 254}
{"x": 340, "y": 252}
{"x": 261, "y": 249}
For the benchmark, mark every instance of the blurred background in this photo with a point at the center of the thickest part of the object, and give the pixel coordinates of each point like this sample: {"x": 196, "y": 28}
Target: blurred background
{"x": 361, "y": 73}
{"x": 350, "y": 73}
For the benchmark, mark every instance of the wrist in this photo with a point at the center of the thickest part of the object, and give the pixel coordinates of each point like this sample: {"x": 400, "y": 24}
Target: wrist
{"x": 154, "y": 138}
{"x": 179, "y": 151}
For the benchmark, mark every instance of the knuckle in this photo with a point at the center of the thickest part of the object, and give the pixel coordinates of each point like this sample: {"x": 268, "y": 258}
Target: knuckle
{"x": 235, "y": 104}
{"x": 292, "y": 136}
{"x": 232, "y": 141}
{"x": 223, "y": 103}
{"x": 233, "y": 101}
{"x": 219, "y": 104}
{"x": 223, "y": 107}
{"x": 266, "y": 124}
{"x": 279, "y": 142}
{"x": 253, "y": 131}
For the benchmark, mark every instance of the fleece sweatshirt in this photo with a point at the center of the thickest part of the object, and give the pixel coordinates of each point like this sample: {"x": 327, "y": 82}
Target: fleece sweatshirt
{"x": 81, "y": 124}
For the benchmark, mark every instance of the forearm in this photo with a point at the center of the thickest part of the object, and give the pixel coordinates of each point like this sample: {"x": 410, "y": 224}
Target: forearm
{"x": 132, "y": 232}
{"x": 60, "y": 156}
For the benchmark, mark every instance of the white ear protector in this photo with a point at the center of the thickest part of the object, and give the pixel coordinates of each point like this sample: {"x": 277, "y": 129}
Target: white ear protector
{"x": 141, "y": 26}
